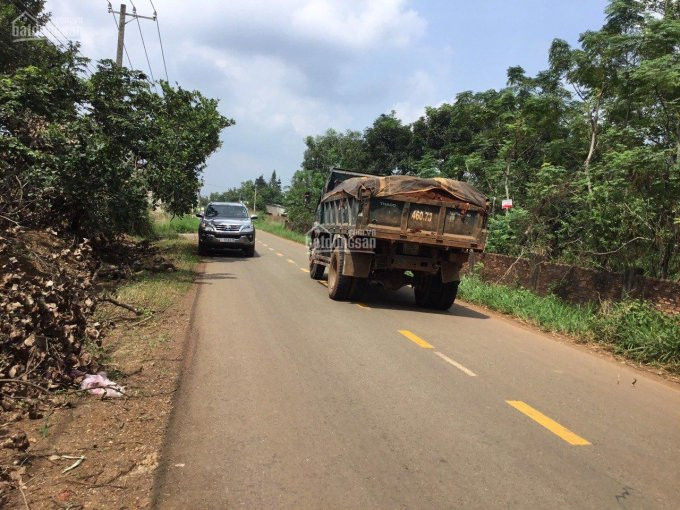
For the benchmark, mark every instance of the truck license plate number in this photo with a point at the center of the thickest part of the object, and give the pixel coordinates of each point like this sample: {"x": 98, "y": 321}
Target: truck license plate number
{"x": 419, "y": 215}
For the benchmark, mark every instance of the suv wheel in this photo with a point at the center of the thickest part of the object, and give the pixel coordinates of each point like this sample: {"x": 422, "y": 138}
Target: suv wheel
{"x": 202, "y": 250}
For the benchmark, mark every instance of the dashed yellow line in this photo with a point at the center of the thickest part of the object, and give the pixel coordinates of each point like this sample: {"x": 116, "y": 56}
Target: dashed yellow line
{"x": 548, "y": 423}
{"x": 270, "y": 249}
{"x": 361, "y": 305}
{"x": 291, "y": 261}
{"x": 416, "y": 339}
{"x": 323, "y": 282}
{"x": 303, "y": 269}
{"x": 279, "y": 254}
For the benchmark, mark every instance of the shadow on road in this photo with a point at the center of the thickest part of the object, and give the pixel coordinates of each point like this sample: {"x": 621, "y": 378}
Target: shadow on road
{"x": 227, "y": 255}
{"x": 206, "y": 277}
{"x": 378, "y": 297}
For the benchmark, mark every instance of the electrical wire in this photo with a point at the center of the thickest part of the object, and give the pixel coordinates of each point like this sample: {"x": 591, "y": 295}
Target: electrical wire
{"x": 141, "y": 35}
{"x": 160, "y": 40}
{"x": 59, "y": 42}
{"x": 87, "y": 64}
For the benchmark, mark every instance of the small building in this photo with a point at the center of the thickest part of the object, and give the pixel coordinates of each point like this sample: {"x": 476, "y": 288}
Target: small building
{"x": 276, "y": 210}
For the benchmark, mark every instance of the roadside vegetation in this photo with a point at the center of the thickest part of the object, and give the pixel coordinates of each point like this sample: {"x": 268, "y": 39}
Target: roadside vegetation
{"x": 280, "y": 230}
{"x": 632, "y": 328}
{"x": 157, "y": 290}
{"x": 170, "y": 227}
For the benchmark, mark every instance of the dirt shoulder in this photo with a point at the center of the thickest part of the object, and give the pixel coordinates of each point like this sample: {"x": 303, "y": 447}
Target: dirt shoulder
{"x": 102, "y": 453}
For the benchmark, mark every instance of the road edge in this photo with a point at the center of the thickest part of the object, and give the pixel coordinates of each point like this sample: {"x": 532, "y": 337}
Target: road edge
{"x": 188, "y": 343}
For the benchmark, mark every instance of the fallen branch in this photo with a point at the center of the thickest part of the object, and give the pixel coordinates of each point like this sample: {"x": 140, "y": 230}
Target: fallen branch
{"x": 511, "y": 266}
{"x": 131, "y": 308}
{"x": 26, "y": 383}
{"x": 77, "y": 463}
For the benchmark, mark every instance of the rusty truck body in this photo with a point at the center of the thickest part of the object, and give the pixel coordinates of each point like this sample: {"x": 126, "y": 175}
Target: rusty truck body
{"x": 396, "y": 230}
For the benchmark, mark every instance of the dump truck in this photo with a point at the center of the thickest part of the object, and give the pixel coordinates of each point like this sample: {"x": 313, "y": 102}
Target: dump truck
{"x": 396, "y": 230}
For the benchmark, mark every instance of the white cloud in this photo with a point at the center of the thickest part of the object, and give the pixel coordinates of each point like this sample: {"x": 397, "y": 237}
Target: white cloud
{"x": 359, "y": 24}
{"x": 283, "y": 69}
{"x": 421, "y": 91}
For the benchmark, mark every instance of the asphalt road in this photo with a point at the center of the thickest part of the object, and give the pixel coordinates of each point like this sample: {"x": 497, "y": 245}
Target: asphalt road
{"x": 292, "y": 400}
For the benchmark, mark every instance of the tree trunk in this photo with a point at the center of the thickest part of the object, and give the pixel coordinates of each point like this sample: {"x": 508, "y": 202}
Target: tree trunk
{"x": 594, "y": 118}
{"x": 507, "y": 178}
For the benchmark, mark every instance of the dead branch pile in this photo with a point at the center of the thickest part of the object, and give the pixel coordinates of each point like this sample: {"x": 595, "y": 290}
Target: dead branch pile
{"x": 49, "y": 290}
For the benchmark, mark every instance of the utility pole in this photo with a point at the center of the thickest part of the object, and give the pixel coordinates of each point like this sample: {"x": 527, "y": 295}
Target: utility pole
{"x": 121, "y": 36}
{"x": 255, "y": 202}
{"x": 123, "y": 16}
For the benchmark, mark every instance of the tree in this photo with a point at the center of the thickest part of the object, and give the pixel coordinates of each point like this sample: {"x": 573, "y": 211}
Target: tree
{"x": 387, "y": 144}
{"x": 86, "y": 154}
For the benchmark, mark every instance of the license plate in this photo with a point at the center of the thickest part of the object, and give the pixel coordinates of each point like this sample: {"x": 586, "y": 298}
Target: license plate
{"x": 227, "y": 240}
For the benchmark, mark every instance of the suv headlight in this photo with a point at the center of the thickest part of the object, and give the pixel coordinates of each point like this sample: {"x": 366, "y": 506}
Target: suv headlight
{"x": 247, "y": 228}
{"x": 208, "y": 227}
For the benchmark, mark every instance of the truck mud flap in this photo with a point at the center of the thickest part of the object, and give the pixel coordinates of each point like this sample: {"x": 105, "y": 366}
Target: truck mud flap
{"x": 357, "y": 264}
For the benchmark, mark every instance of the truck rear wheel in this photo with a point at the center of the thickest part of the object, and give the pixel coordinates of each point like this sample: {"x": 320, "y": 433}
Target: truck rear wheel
{"x": 431, "y": 292}
{"x": 339, "y": 285}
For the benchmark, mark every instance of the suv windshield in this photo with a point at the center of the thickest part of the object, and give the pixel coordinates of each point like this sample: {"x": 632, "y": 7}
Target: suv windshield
{"x": 226, "y": 211}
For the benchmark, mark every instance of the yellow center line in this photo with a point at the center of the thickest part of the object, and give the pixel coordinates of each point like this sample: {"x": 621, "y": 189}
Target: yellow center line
{"x": 279, "y": 254}
{"x": 303, "y": 269}
{"x": 548, "y": 423}
{"x": 416, "y": 339}
{"x": 322, "y": 282}
{"x": 361, "y": 305}
{"x": 270, "y": 249}
{"x": 291, "y": 261}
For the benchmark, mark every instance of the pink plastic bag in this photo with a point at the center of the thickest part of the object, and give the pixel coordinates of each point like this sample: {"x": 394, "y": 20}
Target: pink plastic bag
{"x": 100, "y": 385}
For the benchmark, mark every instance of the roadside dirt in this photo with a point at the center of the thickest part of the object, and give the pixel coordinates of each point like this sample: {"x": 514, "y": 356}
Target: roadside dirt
{"x": 119, "y": 440}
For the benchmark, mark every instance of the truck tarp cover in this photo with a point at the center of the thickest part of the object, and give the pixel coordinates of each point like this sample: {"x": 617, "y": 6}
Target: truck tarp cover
{"x": 405, "y": 185}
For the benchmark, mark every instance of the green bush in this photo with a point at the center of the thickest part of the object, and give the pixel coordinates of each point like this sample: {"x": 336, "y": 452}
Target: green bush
{"x": 549, "y": 312}
{"x": 640, "y": 331}
{"x": 169, "y": 228}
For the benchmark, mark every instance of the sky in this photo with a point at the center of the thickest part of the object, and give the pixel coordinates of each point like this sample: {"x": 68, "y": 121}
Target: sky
{"x": 288, "y": 69}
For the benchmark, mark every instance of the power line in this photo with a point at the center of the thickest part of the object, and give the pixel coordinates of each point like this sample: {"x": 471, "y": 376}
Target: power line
{"x": 59, "y": 42}
{"x": 160, "y": 40}
{"x": 87, "y": 64}
{"x": 141, "y": 35}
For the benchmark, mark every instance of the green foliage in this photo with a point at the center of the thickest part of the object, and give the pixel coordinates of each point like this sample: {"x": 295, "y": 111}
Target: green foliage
{"x": 88, "y": 155}
{"x": 633, "y": 328}
{"x": 505, "y": 230}
{"x": 640, "y": 331}
{"x": 169, "y": 228}
{"x": 268, "y": 193}
{"x": 549, "y": 312}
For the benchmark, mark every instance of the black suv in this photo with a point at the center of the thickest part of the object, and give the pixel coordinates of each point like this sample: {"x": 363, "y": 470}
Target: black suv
{"x": 226, "y": 225}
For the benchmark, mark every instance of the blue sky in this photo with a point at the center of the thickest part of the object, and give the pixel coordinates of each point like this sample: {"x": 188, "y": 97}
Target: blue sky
{"x": 286, "y": 69}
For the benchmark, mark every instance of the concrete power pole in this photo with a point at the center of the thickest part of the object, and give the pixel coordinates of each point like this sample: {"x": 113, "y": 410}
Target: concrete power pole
{"x": 121, "y": 36}
{"x": 123, "y": 16}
